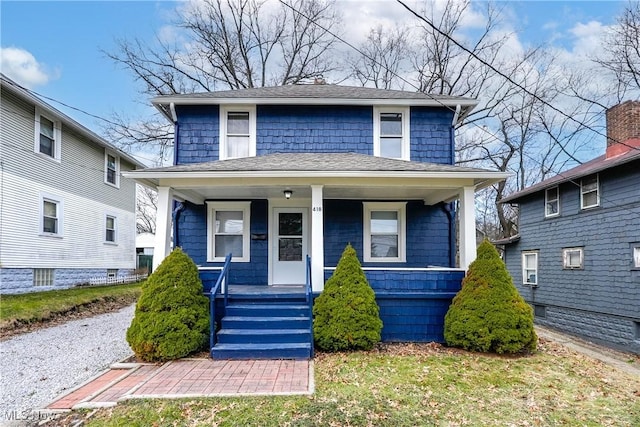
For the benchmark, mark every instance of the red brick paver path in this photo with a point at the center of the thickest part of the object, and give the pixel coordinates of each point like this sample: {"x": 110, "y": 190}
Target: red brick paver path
{"x": 193, "y": 378}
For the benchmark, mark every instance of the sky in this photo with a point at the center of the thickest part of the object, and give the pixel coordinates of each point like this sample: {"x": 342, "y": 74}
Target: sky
{"x": 56, "y": 48}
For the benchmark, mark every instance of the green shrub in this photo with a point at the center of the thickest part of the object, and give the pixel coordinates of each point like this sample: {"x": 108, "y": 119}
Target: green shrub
{"x": 346, "y": 316}
{"x": 488, "y": 314}
{"x": 172, "y": 314}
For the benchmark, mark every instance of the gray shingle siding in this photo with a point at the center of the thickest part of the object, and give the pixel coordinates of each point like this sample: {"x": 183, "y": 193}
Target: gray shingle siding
{"x": 602, "y": 300}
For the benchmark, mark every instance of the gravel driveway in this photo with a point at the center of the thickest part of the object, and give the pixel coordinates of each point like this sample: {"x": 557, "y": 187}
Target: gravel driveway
{"x": 38, "y": 366}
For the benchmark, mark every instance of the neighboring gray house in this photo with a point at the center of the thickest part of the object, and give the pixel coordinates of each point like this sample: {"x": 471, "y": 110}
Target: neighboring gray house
{"x": 577, "y": 257}
{"x": 66, "y": 212}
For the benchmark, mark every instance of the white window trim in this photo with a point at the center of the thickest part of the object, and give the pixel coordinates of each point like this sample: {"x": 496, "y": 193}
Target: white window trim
{"x": 525, "y": 279}
{"x": 406, "y": 139}
{"x": 547, "y": 200}
{"x": 60, "y": 211}
{"x": 212, "y": 208}
{"x": 401, "y": 208}
{"x": 636, "y": 256}
{"x": 566, "y": 258}
{"x": 115, "y": 229}
{"x": 108, "y": 153}
{"x": 222, "y": 142}
{"x": 57, "y": 136}
{"x": 597, "y": 190}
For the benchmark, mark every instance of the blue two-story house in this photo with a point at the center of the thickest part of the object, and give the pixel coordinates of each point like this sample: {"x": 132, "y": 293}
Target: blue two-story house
{"x": 576, "y": 258}
{"x": 273, "y": 175}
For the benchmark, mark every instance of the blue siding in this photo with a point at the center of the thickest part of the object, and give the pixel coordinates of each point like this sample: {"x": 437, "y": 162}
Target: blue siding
{"x": 198, "y": 134}
{"x": 413, "y": 303}
{"x": 602, "y": 300}
{"x": 431, "y": 135}
{"x": 330, "y": 129}
{"x": 293, "y": 129}
{"x": 427, "y": 233}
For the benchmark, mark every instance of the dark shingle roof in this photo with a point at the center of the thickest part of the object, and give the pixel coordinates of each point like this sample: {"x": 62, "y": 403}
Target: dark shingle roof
{"x": 313, "y": 91}
{"x": 344, "y": 162}
{"x": 598, "y": 164}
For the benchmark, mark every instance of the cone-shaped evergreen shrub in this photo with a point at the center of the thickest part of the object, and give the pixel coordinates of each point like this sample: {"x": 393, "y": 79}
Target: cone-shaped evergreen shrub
{"x": 488, "y": 314}
{"x": 346, "y": 316}
{"x": 172, "y": 314}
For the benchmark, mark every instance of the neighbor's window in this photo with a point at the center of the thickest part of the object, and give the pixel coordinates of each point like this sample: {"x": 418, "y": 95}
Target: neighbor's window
{"x": 43, "y": 276}
{"x": 112, "y": 272}
{"x": 111, "y": 169}
{"x": 572, "y": 258}
{"x": 391, "y": 133}
{"x": 110, "y": 229}
{"x": 384, "y": 232}
{"x": 51, "y": 215}
{"x": 228, "y": 231}
{"x": 589, "y": 192}
{"x": 47, "y": 136}
{"x": 530, "y": 268}
{"x": 237, "y": 132}
{"x": 552, "y": 202}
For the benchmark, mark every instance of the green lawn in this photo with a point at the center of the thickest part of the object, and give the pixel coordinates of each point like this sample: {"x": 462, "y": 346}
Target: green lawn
{"x": 419, "y": 385}
{"x": 41, "y": 306}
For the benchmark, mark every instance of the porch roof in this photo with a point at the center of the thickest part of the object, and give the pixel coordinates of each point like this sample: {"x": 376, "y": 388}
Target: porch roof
{"x": 344, "y": 175}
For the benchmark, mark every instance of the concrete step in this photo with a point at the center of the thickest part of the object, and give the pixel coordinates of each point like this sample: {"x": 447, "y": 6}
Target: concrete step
{"x": 261, "y": 351}
{"x": 266, "y": 336}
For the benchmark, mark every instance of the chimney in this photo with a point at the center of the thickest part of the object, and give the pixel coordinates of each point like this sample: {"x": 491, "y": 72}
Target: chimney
{"x": 319, "y": 80}
{"x": 623, "y": 128}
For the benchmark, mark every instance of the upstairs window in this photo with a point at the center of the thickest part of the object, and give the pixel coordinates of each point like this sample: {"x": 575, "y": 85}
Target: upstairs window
{"x": 530, "y": 268}
{"x": 111, "y": 169}
{"x": 589, "y": 192}
{"x": 573, "y": 258}
{"x": 237, "y": 132}
{"x": 391, "y": 133}
{"x": 384, "y": 232}
{"x": 47, "y": 136}
{"x": 551, "y": 202}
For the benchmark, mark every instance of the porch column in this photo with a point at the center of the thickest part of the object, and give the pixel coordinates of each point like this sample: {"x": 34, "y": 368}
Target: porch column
{"x": 317, "y": 239}
{"x": 162, "y": 246}
{"x": 467, "y": 220}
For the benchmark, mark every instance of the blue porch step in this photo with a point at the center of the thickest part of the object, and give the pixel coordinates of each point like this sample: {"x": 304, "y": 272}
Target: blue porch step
{"x": 272, "y": 325}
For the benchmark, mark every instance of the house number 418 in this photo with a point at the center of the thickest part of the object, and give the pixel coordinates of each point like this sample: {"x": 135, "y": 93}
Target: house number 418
{"x": 317, "y": 209}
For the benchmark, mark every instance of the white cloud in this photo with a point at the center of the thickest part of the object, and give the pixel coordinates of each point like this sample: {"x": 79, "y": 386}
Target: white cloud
{"x": 21, "y": 66}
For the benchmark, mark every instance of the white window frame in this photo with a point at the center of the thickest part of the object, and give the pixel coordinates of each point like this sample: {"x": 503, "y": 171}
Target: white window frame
{"x": 212, "y": 208}
{"x": 224, "y": 111}
{"x": 59, "y": 212}
{"x": 582, "y": 192}
{"x": 525, "y": 276}
{"x": 566, "y": 258}
{"x": 406, "y": 139}
{"x": 636, "y": 256}
{"x": 547, "y": 201}
{"x": 401, "y": 209}
{"x": 115, "y": 229}
{"x": 108, "y": 153}
{"x": 57, "y": 136}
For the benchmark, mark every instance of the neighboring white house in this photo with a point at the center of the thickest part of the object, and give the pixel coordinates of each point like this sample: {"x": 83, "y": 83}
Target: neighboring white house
{"x": 66, "y": 212}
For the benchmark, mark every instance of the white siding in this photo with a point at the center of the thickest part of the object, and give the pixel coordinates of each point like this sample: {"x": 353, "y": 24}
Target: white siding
{"x": 82, "y": 244}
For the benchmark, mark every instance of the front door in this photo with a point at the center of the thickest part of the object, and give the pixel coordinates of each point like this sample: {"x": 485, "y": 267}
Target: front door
{"x": 290, "y": 247}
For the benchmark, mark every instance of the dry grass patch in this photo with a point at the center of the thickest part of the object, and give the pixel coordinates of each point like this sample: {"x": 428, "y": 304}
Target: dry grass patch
{"x": 409, "y": 385}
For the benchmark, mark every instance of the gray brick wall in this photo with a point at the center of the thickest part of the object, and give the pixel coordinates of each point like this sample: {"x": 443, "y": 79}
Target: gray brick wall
{"x": 607, "y": 288}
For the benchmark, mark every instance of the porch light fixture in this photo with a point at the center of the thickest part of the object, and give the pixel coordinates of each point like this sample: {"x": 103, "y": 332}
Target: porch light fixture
{"x": 287, "y": 194}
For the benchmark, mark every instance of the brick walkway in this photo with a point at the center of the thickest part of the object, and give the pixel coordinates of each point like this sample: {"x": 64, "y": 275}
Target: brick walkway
{"x": 191, "y": 378}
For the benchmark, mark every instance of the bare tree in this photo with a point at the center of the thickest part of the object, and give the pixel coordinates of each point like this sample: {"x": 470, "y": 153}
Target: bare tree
{"x": 383, "y": 58}
{"x": 226, "y": 44}
{"x": 146, "y": 207}
{"x": 621, "y": 55}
